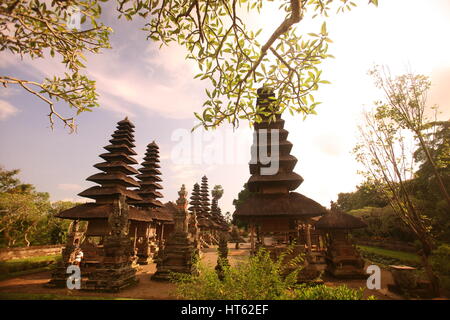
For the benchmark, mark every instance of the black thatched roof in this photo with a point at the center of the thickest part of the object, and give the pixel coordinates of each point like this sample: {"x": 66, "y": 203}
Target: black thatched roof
{"x": 164, "y": 213}
{"x": 279, "y": 205}
{"x": 339, "y": 220}
{"x": 90, "y": 211}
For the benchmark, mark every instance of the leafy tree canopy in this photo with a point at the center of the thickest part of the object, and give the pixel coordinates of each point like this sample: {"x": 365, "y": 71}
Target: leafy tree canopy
{"x": 214, "y": 32}
{"x": 366, "y": 195}
{"x": 26, "y": 215}
{"x": 217, "y": 192}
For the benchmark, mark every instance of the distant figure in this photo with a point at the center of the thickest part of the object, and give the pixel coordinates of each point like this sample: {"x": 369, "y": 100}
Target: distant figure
{"x": 78, "y": 256}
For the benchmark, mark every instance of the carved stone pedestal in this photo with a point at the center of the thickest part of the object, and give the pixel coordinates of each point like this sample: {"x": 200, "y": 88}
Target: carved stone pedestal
{"x": 179, "y": 253}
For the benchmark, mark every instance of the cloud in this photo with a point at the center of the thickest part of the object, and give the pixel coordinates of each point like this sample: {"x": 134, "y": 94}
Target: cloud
{"x": 8, "y": 92}
{"x": 69, "y": 187}
{"x": 7, "y": 110}
{"x": 76, "y": 200}
{"x": 158, "y": 81}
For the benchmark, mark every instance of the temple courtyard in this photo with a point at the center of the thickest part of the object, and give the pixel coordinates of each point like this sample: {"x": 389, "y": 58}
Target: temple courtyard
{"x": 31, "y": 286}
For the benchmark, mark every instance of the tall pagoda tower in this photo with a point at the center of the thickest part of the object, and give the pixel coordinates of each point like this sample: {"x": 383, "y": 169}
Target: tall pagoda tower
{"x": 273, "y": 207}
{"x": 216, "y": 215}
{"x": 195, "y": 207}
{"x": 206, "y": 217}
{"x": 147, "y": 234}
{"x": 149, "y": 179}
{"x": 204, "y": 198}
{"x": 107, "y": 247}
{"x": 115, "y": 180}
{"x": 195, "y": 203}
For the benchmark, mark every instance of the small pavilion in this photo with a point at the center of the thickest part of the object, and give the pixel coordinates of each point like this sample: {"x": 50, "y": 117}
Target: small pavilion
{"x": 342, "y": 257}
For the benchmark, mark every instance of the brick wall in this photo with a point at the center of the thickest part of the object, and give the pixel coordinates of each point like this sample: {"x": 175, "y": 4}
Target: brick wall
{"x": 27, "y": 252}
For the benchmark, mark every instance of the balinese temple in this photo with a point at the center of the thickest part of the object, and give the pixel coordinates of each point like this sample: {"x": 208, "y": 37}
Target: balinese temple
{"x": 148, "y": 236}
{"x": 108, "y": 244}
{"x": 273, "y": 208}
{"x": 342, "y": 257}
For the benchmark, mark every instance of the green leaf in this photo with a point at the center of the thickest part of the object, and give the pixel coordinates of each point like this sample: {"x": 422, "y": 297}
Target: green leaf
{"x": 323, "y": 30}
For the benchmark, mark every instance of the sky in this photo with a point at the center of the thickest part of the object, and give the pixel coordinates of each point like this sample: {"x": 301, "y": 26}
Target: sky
{"x": 156, "y": 90}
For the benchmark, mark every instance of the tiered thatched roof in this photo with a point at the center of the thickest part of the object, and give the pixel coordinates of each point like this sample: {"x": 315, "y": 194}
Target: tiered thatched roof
{"x": 292, "y": 205}
{"x": 114, "y": 180}
{"x": 90, "y": 211}
{"x": 216, "y": 215}
{"x": 195, "y": 204}
{"x": 149, "y": 179}
{"x": 285, "y": 178}
{"x": 272, "y": 194}
{"x": 204, "y": 197}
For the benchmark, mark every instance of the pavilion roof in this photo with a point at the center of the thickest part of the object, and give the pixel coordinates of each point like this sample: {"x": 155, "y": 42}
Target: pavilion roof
{"x": 292, "y": 205}
{"x": 90, "y": 211}
{"x": 98, "y": 192}
{"x": 165, "y": 213}
{"x": 336, "y": 219}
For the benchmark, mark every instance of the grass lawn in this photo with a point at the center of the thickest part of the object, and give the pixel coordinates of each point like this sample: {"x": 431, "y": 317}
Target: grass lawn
{"x": 18, "y": 267}
{"x": 399, "y": 255}
{"x": 48, "y": 296}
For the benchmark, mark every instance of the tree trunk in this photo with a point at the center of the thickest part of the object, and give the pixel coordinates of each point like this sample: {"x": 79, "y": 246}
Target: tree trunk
{"x": 425, "y": 255}
{"x": 26, "y": 239}
{"x": 9, "y": 238}
{"x": 434, "y": 281}
{"x": 436, "y": 173}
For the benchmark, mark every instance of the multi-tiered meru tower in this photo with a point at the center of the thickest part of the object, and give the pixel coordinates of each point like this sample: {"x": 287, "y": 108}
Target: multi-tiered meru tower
{"x": 273, "y": 208}
{"x": 108, "y": 246}
{"x": 147, "y": 235}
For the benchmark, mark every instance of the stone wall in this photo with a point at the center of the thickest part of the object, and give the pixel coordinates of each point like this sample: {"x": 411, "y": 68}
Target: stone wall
{"x": 28, "y": 252}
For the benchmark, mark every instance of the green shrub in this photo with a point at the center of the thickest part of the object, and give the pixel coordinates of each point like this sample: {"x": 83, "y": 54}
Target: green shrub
{"x": 322, "y": 292}
{"x": 258, "y": 278}
{"x": 440, "y": 261}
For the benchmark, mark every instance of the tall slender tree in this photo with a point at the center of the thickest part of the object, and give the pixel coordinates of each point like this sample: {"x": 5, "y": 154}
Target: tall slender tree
{"x": 383, "y": 151}
{"x": 406, "y": 104}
